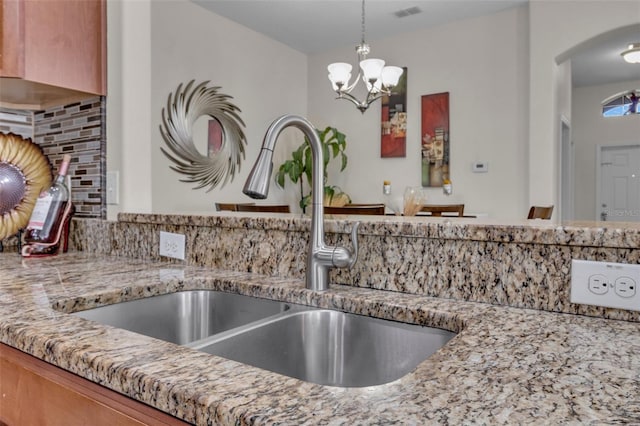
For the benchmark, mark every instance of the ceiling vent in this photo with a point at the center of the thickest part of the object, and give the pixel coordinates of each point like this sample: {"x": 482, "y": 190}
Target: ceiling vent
{"x": 408, "y": 12}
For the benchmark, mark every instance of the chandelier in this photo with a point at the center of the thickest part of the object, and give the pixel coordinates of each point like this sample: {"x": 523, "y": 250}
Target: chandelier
{"x": 379, "y": 80}
{"x": 632, "y": 54}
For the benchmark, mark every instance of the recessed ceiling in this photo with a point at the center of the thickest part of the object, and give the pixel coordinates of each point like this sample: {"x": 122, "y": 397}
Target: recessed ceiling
{"x": 313, "y": 26}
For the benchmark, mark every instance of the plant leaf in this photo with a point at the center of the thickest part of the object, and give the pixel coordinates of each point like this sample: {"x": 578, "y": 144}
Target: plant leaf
{"x": 280, "y": 178}
{"x": 322, "y": 134}
{"x": 325, "y": 157}
{"x": 307, "y": 165}
{"x": 333, "y": 138}
{"x": 295, "y": 171}
{"x": 336, "y": 149}
{"x": 297, "y": 154}
{"x": 282, "y": 171}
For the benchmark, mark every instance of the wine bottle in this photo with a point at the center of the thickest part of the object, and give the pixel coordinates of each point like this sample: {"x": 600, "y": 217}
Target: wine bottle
{"x": 47, "y": 215}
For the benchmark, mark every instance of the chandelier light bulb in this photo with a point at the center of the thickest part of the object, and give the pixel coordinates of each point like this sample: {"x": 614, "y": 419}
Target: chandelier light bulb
{"x": 371, "y": 69}
{"x": 632, "y": 54}
{"x": 390, "y": 76}
{"x": 339, "y": 74}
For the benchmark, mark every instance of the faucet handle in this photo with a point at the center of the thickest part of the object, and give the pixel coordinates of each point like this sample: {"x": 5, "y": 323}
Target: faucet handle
{"x": 343, "y": 257}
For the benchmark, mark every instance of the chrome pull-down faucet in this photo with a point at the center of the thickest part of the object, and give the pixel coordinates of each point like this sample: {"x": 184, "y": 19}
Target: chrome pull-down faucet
{"x": 320, "y": 257}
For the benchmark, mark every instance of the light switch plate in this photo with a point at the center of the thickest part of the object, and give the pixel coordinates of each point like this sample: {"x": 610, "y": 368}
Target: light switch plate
{"x": 113, "y": 182}
{"x": 612, "y": 285}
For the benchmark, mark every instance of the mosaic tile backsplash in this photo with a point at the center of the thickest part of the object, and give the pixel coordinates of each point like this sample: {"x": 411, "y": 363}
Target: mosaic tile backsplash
{"x": 77, "y": 129}
{"x": 19, "y": 122}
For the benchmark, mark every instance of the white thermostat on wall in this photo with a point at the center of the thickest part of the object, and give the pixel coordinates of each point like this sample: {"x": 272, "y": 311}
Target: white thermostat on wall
{"x": 480, "y": 167}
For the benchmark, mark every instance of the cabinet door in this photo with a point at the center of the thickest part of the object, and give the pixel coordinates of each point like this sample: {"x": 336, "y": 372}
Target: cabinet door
{"x": 33, "y": 392}
{"x": 11, "y": 38}
{"x": 63, "y": 44}
{"x": 52, "y": 52}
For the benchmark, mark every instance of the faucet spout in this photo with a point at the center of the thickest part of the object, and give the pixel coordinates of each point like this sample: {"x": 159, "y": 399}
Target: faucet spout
{"x": 320, "y": 257}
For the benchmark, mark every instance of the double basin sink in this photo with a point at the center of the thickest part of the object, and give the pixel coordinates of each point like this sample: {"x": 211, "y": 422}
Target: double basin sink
{"x": 321, "y": 346}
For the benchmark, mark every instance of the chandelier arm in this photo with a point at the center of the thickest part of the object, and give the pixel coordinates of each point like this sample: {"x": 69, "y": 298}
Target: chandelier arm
{"x": 362, "y": 106}
{"x": 374, "y": 97}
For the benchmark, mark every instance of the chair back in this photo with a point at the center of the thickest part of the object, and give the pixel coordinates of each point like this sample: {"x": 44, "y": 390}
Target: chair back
{"x": 437, "y": 210}
{"x": 540, "y": 212}
{"x": 232, "y": 207}
{"x": 363, "y": 209}
{"x": 262, "y": 208}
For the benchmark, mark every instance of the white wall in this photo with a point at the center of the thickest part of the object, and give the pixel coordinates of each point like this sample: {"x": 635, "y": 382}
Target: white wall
{"x": 192, "y": 43}
{"x": 504, "y": 93}
{"x": 487, "y": 87}
{"x": 557, "y": 27}
{"x": 128, "y": 103}
{"x": 177, "y": 41}
{"x": 562, "y": 103}
{"x": 591, "y": 129}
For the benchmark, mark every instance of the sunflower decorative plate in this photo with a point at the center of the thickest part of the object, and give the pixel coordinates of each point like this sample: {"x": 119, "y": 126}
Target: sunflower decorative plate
{"x": 24, "y": 173}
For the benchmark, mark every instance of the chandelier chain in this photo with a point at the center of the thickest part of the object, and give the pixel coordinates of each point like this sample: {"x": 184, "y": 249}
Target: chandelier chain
{"x": 363, "y": 22}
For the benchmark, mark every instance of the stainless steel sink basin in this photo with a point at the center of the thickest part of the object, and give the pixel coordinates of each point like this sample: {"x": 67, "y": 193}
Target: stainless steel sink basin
{"x": 316, "y": 345}
{"x": 331, "y": 347}
{"x": 185, "y": 316}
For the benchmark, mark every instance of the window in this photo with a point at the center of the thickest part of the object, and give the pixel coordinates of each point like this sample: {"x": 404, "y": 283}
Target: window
{"x": 625, "y": 103}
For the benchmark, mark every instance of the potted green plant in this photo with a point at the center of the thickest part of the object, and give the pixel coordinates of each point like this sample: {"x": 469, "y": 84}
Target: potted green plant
{"x": 333, "y": 145}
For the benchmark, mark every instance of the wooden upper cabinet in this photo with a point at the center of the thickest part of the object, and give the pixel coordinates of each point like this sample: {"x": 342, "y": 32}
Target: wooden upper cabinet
{"x": 52, "y": 52}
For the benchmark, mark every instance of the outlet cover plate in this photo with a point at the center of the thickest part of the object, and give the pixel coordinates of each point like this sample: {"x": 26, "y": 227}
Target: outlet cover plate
{"x": 172, "y": 245}
{"x": 607, "y": 284}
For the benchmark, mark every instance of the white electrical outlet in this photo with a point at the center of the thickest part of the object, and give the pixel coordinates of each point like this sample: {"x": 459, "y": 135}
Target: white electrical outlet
{"x": 612, "y": 285}
{"x": 172, "y": 245}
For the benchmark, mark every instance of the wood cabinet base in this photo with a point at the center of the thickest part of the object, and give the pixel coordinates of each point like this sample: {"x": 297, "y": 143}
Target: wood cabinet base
{"x": 33, "y": 392}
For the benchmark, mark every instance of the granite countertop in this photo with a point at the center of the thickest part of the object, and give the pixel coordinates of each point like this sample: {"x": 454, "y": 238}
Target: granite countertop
{"x": 506, "y": 365}
{"x": 572, "y": 233}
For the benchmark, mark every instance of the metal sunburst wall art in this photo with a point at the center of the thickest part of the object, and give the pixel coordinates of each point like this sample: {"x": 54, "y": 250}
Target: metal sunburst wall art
{"x": 182, "y": 111}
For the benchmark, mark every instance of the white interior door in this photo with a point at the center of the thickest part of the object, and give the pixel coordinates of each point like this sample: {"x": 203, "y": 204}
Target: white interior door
{"x": 619, "y": 195}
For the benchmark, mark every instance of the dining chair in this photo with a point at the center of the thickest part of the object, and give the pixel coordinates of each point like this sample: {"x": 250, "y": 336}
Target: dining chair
{"x": 233, "y": 207}
{"x": 362, "y": 209}
{"x": 540, "y": 212}
{"x": 436, "y": 210}
{"x": 264, "y": 208}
